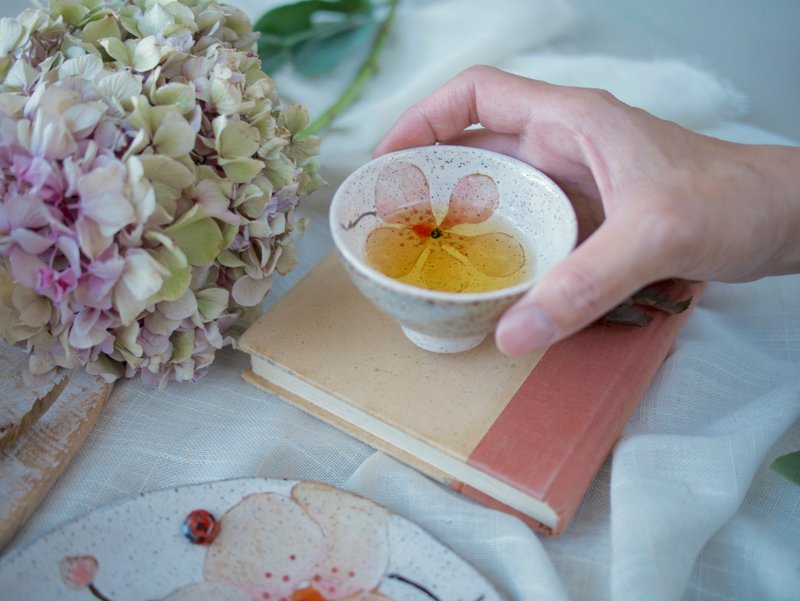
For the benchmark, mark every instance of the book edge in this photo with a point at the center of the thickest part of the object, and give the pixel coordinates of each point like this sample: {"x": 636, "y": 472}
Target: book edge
{"x": 448, "y": 470}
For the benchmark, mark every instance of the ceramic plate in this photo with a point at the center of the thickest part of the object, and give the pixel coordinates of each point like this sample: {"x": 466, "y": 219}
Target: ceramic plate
{"x": 269, "y": 540}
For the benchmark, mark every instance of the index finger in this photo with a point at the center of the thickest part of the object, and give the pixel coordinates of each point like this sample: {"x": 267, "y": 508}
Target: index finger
{"x": 479, "y": 95}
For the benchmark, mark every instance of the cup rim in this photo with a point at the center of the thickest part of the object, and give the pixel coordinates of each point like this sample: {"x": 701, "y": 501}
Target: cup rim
{"x": 386, "y": 281}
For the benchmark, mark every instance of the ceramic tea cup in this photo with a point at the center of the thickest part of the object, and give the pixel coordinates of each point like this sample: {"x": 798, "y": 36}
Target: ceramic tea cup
{"x": 443, "y": 239}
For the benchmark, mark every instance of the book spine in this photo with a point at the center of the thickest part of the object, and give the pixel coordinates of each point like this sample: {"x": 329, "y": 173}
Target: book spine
{"x": 557, "y": 430}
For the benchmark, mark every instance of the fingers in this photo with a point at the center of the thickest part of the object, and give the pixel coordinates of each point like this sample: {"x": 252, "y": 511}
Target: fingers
{"x": 508, "y": 144}
{"x": 480, "y": 94}
{"x": 611, "y": 265}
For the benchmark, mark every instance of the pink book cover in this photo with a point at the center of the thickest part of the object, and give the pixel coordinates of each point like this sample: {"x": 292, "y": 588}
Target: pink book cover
{"x": 579, "y": 396}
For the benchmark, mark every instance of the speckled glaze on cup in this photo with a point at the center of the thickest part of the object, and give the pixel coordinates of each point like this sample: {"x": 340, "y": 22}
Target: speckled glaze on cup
{"x": 449, "y": 322}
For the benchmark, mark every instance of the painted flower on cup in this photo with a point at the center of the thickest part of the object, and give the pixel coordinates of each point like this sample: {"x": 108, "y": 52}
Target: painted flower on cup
{"x": 148, "y": 182}
{"x": 416, "y": 246}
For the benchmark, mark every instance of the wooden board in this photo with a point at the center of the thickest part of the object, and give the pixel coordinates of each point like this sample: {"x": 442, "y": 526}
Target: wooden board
{"x": 35, "y": 460}
{"x": 23, "y": 398}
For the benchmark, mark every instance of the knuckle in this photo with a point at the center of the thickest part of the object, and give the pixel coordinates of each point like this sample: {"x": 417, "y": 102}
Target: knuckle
{"x": 672, "y": 236}
{"x": 479, "y": 71}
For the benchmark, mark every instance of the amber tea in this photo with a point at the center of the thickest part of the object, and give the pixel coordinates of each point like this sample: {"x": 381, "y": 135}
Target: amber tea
{"x": 465, "y": 258}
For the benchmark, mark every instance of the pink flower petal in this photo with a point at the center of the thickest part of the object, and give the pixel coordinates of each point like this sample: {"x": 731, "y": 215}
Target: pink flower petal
{"x": 26, "y": 268}
{"x": 31, "y": 242}
{"x": 23, "y": 211}
{"x": 474, "y": 199}
{"x": 89, "y": 328}
{"x": 78, "y": 571}
{"x": 248, "y": 291}
{"x": 402, "y": 195}
{"x": 266, "y": 544}
{"x": 103, "y": 201}
{"x": 90, "y": 238}
{"x": 50, "y": 138}
{"x": 358, "y": 539}
{"x": 69, "y": 248}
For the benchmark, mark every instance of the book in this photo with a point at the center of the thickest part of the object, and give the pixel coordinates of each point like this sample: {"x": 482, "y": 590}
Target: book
{"x": 522, "y": 434}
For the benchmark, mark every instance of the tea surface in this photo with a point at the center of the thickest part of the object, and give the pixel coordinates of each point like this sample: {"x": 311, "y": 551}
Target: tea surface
{"x": 466, "y": 258}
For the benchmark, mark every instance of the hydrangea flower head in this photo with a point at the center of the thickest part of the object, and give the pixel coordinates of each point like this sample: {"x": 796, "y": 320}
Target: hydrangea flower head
{"x": 148, "y": 182}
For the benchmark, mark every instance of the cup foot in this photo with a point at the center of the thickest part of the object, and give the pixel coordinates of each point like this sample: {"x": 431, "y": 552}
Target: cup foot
{"x": 436, "y": 344}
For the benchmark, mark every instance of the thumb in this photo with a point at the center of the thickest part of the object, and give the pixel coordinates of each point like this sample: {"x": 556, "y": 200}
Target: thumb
{"x": 612, "y": 264}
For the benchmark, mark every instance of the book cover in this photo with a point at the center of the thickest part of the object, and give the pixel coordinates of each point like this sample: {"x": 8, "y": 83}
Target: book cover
{"x": 523, "y": 434}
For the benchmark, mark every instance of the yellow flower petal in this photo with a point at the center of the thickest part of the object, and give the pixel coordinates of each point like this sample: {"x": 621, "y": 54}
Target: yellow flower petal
{"x": 394, "y": 251}
{"x": 495, "y": 254}
{"x": 442, "y": 271}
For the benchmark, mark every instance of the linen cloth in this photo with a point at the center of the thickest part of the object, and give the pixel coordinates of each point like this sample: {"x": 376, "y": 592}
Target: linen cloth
{"x": 686, "y": 507}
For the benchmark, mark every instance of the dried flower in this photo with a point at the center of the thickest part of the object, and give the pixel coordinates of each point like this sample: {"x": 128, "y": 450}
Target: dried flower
{"x": 148, "y": 183}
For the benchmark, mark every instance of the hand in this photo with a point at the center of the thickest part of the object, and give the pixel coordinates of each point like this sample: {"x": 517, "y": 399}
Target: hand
{"x": 653, "y": 200}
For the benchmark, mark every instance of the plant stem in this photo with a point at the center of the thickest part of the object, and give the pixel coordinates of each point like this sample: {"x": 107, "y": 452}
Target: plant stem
{"x": 367, "y": 69}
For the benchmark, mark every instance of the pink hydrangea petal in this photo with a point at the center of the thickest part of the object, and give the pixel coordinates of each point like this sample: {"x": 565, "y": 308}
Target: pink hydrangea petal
{"x": 266, "y": 544}
{"x": 357, "y": 531}
{"x": 40, "y": 175}
{"x": 402, "y": 195}
{"x": 90, "y": 238}
{"x": 103, "y": 201}
{"x": 474, "y": 199}
{"x": 248, "y": 291}
{"x": 69, "y": 248}
{"x": 26, "y": 268}
{"x": 50, "y": 137}
{"x": 31, "y": 242}
{"x": 89, "y": 328}
{"x": 23, "y": 211}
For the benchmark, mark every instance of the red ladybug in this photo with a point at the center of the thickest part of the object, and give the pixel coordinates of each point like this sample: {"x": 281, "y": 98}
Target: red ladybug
{"x": 200, "y": 527}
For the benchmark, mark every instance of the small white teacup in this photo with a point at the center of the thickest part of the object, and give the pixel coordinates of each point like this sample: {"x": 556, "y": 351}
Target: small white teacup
{"x": 454, "y": 221}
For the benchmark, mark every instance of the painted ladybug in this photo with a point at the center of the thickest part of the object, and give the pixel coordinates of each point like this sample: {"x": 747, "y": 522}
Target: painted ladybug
{"x": 200, "y": 527}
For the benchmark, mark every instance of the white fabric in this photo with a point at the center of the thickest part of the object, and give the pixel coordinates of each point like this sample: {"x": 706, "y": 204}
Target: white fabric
{"x": 685, "y": 509}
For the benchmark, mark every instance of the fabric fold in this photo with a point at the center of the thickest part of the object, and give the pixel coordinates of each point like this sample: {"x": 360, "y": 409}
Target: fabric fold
{"x": 690, "y": 454}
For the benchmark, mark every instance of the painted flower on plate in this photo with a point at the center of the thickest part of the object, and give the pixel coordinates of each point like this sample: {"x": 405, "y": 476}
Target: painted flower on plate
{"x": 320, "y": 544}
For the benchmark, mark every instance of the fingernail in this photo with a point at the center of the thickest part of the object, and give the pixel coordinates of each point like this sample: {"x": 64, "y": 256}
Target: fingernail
{"x": 524, "y": 329}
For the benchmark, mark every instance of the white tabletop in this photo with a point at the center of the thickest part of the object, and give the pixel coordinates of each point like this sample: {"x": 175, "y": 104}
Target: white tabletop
{"x": 686, "y": 508}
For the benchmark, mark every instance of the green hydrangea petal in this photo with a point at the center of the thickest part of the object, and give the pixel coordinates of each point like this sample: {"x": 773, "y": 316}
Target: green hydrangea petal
{"x": 182, "y": 345}
{"x": 241, "y": 170}
{"x": 212, "y": 302}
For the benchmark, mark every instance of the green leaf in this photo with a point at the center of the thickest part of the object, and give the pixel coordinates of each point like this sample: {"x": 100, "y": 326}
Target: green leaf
{"x": 323, "y": 52}
{"x": 293, "y": 18}
{"x": 788, "y": 466}
{"x": 273, "y": 56}
{"x": 285, "y": 30}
